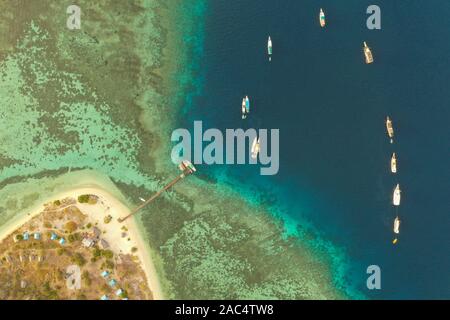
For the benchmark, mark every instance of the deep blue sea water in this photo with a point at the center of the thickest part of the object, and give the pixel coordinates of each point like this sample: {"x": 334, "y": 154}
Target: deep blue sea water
{"x": 330, "y": 108}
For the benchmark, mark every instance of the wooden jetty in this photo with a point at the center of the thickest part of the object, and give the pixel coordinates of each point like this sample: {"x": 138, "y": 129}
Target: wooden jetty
{"x": 186, "y": 169}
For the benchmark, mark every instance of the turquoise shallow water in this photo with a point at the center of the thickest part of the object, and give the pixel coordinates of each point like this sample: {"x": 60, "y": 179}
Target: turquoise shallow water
{"x": 330, "y": 108}
{"x": 78, "y": 133}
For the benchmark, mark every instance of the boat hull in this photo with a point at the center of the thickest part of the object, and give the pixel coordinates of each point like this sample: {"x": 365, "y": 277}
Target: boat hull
{"x": 390, "y": 129}
{"x": 245, "y": 107}
{"x": 393, "y": 164}
{"x": 368, "y": 54}
{"x": 396, "y": 196}
{"x": 322, "y": 19}
{"x": 255, "y": 148}
{"x": 397, "y": 225}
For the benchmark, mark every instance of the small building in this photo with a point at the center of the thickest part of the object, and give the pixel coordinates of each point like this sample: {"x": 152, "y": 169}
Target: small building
{"x": 26, "y": 235}
{"x": 37, "y": 236}
{"x": 112, "y": 283}
{"x": 53, "y": 236}
{"x": 62, "y": 241}
{"x": 119, "y": 292}
{"x": 104, "y": 244}
{"x": 96, "y": 231}
{"x": 104, "y": 297}
{"x": 23, "y": 284}
{"x": 105, "y": 274}
{"x": 88, "y": 242}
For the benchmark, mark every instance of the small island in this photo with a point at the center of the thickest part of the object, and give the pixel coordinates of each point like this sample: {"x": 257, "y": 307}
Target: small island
{"x": 73, "y": 249}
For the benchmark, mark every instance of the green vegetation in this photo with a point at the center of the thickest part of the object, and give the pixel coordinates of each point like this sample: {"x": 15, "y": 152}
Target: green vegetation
{"x": 96, "y": 253}
{"x": 19, "y": 237}
{"x": 86, "y": 278}
{"x": 78, "y": 259}
{"x": 48, "y": 293}
{"x": 134, "y": 250}
{"x": 124, "y": 294}
{"x": 107, "y": 219}
{"x": 89, "y": 225}
{"x": 109, "y": 264}
{"x": 57, "y": 203}
{"x": 87, "y": 198}
{"x": 70, "y": 226}
{"x": 84, "y": 198}
{"x": 108, "y": 254}
{"x": 74, "y": 237}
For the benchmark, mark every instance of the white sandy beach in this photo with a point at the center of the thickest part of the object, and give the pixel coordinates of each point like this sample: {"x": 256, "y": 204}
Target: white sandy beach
{"x": 107, "y": 204}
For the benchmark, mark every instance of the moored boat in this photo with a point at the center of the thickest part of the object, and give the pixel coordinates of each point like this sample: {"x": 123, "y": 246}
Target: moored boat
{"x": 390, "y": 129}
{"x": 269, "y": 48}
{"x": 368, "y": 53}
{"x": 396, "y": 195}
{"x": 397, "y": 225}
{"x": 322, "y": 18}
{"x": 245, "y": 107}
{"x": 187, "y": 167}
{"x": 393, "y": 163}
{"x": 255, "y": 148}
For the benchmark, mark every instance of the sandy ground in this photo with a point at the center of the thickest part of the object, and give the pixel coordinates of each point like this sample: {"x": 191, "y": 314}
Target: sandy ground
{"x": 112, "y": 232}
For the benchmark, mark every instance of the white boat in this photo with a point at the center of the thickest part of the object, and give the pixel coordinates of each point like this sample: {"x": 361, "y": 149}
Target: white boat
{"x": 245, "y": 107}
{"x": 390, "y": 129}
{"x": 322, "y": 18}
{"x": 397, "y": 225}
{"x": 367, "y": 53}
{"x": 269, "y": 48}
{"x": 396, "y": 195}
{"x": 255, "y": 148}
{"x": 393, "y": 163}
